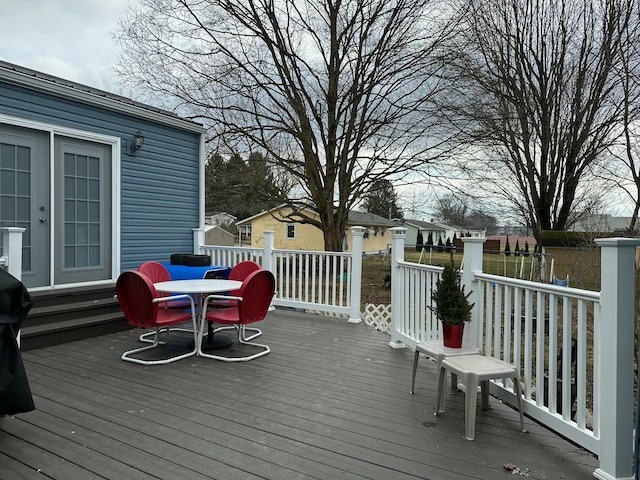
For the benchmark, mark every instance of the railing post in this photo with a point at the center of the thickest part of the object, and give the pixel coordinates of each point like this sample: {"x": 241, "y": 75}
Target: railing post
{"x": 267, "y": 256}
{"x": 12, "y": 248}
{"x": 615, "y": 358}
{"x": 357, "y": 233}
{"x": 12, "y": 245}
{"x": 198, "y": 240}
{"x": 472, "y": 262}
{"x": 398, "y": 236}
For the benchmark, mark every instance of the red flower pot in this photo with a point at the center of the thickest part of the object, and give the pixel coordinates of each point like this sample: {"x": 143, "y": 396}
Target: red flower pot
{"x": 452, "y": 335}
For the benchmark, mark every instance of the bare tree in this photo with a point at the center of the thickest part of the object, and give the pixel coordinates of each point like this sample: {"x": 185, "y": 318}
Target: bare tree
{"x": 337, "y": 93}
{"x": 629, "y": 152}
{"x": 452, "y": 209}
{"x": 538, "y": 92}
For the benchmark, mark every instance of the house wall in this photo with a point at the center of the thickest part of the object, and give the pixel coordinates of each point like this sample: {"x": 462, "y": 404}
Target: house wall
{"x": 160, "y": 196}
{"x": 376, "y": 239}
{"x": 436, "y": 235}
{"x": 158, "y": 185}
{"x": 412, "y": 234}
{"x": 307, "y": 237}
{"x": 218, "y": 236}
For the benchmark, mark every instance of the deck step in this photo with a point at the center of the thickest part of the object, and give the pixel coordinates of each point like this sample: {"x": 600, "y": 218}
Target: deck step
{"x": 64, "y": 316}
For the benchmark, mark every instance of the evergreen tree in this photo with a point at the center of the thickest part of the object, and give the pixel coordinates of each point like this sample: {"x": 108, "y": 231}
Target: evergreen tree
{"x": 507, "y": 247}
{"x": 383, "y": 200}
{"x": 517, "y": 250}
{"x": 526, "y": 249}
{"x": 241, "y": 187}
{"x": 419, "y": 241}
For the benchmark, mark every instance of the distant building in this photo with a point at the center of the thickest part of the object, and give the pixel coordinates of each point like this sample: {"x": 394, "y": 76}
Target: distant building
{"x": 426, "y": 228}
{"x": 601, "y": 223}
{"x": 301, "y": 236}
{"x": 216, "y": 235}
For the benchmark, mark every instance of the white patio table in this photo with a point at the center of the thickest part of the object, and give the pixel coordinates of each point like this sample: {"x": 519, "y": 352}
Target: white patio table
{"x": 202, "y": 287}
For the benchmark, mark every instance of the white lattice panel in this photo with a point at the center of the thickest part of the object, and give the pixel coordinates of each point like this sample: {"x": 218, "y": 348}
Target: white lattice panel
{"x": 378, "y": 317}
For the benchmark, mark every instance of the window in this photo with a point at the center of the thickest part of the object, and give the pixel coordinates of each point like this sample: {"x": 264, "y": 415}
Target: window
{"x": 291, "y": 230}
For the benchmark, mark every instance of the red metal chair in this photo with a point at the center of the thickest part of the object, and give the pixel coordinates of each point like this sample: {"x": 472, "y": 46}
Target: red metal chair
{"x": 142, "y": 308}
{"x": 239, "y": 272}
{"x": 156, "y": 272}
{"x": 242, "y": 270}
{"x": 159, "y": 273}
{"x": 253, "y": 302}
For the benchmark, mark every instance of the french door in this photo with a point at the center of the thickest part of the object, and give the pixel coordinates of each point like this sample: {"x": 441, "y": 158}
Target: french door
{"x": 59, "y": 188}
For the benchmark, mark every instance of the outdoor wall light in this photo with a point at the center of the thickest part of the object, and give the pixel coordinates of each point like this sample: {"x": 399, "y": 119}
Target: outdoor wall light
{"x": 138, "y": 141}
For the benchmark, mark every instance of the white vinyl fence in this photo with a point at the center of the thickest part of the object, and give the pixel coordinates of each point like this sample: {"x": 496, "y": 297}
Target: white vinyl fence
{"x": 324, "y": 282}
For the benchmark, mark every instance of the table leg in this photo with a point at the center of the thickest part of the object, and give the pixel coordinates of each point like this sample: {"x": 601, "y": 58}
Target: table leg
{"x": 214, "y": 342}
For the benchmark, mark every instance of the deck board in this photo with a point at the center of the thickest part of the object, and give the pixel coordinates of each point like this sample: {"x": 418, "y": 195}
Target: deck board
{"x": 331, "y": 401}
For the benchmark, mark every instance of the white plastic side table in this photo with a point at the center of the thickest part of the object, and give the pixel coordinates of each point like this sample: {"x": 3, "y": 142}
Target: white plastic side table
{"x": 436, "y": 350}
{"x": 474, "y": 369}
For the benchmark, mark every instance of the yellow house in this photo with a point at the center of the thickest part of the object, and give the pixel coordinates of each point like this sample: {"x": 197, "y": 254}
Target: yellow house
{"x": 300, "y": 236}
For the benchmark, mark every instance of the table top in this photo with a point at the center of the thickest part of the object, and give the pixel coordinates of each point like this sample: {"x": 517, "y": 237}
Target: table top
{"x": 436, "y": 348}
{"x": 198, "y": 285}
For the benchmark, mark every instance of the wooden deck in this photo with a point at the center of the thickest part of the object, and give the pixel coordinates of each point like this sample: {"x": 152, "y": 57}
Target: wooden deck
{"x": 330, "y": 402}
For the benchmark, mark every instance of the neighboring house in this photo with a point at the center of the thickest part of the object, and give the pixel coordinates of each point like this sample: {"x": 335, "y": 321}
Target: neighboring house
{"x": 376, "y": 238}
{"x": 215, "y": 235}
{"x": 300, "y": 236}
{"x": 91, "y": 202}
{"x": 451, "y": 230}
{"x": 415, "y": 226}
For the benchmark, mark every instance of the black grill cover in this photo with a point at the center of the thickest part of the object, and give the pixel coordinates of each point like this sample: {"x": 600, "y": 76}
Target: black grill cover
{"x": 15, "y": 303}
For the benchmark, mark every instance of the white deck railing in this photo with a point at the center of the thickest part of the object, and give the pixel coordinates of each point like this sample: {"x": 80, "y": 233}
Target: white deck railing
{"x": 313, "y": 280}
{"x": 327, "y": 282}
{"x": 556, "y": 335}
{"x": 414, "y": 321}
{"x": 230, "y": 256}
{"x": 548, "y": 331}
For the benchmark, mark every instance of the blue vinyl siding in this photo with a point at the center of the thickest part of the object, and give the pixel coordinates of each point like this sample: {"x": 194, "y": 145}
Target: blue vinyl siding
{"x": 159, "y": 183}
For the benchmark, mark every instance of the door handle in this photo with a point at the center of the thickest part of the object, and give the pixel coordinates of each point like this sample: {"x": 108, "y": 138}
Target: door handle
{"x": 42, "y": 219}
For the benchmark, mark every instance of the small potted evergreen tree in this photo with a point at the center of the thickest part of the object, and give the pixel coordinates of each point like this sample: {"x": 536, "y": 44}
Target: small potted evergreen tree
{"x": 452, "y": 306}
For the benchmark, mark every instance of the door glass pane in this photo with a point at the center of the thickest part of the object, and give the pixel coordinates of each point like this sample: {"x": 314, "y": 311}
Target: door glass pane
{"x": 23, "y": 183}
{"x": 15, "y": 193}
{"x": 8, "y": 182}
{"x": 82, "y": 211}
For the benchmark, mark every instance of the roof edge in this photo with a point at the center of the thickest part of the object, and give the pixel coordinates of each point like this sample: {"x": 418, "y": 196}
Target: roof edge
{"x": 60, "y": 87}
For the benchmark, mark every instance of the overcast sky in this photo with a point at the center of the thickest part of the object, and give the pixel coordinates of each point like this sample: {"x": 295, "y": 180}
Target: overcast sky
{"x": 72, "y": 39}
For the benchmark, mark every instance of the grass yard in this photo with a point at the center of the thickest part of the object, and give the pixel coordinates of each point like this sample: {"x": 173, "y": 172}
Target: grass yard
{"x": 580, "y": 264}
